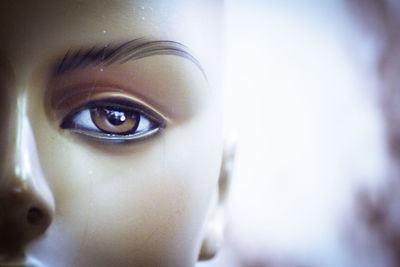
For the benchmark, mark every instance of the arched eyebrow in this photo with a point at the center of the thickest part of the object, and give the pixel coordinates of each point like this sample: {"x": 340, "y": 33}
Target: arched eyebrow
{"x": 121, "y": 53}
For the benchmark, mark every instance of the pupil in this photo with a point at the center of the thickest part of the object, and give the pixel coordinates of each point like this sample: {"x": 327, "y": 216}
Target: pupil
{"x": 116, "y": 117}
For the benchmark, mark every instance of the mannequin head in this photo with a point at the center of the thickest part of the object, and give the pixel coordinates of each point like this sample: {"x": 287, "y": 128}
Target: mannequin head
{"x": 112, "y": 146}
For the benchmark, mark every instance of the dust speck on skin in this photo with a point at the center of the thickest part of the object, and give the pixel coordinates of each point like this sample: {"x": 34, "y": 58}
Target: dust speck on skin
{"x": 150, "y": 235}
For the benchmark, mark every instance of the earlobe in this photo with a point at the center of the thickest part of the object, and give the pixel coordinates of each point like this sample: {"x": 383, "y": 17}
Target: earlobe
{"x": 215, "y": 223}
{"x": 213, "y": 230}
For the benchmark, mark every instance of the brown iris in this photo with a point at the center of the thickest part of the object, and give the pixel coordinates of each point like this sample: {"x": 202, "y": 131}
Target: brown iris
{"x": 114, "y": 120}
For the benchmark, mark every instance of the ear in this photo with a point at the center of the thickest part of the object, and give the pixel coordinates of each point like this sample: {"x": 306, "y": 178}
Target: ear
{"x": 216, "y": 219}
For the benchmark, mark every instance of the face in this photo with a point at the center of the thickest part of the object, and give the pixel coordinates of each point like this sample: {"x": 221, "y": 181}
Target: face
{"x": 111, "y": 139}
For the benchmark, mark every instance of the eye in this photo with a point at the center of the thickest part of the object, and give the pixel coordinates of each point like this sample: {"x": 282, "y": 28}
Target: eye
{"x": 114, "y": 120}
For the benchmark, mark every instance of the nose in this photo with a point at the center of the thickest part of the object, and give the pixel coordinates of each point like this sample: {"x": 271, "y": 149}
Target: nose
{"x": 26, "y": 202}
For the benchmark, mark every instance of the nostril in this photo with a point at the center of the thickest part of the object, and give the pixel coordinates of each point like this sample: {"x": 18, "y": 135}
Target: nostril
{"x": 35, "y": 216}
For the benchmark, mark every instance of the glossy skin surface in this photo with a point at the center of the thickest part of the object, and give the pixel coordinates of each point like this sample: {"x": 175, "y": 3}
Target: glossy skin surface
{"x": 69, "y": 199}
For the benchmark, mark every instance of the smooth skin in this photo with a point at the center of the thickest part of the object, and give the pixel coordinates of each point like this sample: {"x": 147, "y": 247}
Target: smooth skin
{"x": 67, "y": 199}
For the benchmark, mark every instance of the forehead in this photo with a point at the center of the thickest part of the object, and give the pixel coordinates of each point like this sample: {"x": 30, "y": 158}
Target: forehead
{"x": 35, "y": 30}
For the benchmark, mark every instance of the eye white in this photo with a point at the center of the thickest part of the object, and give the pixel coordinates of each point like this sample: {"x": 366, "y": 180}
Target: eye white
{"x": 83, "y": 120}
{"x": 144, "y": 124}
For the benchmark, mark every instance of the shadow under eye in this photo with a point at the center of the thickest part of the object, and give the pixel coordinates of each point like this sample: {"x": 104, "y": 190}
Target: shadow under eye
{"x": 114, "y": 149}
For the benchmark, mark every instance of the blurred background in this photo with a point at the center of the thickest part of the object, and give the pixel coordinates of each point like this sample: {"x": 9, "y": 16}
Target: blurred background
{"x": 311, "y": 95}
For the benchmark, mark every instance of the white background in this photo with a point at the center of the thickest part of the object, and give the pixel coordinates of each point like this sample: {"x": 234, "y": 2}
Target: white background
{"x": 300, "y": 91}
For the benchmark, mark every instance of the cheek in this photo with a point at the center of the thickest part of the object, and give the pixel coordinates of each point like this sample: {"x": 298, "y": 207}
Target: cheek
{"x": 138, "y": 203}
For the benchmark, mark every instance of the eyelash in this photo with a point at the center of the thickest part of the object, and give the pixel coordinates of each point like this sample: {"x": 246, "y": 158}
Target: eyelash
{"x": 89, "y": 118}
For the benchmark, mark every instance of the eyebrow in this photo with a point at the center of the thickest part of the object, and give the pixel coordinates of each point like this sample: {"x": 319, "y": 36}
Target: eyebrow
{"x": 121, "y": 53}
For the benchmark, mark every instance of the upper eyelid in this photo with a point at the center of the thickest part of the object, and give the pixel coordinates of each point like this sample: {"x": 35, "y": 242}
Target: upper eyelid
{"x": 83, "y": 96}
